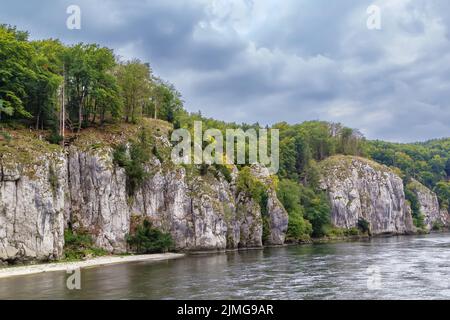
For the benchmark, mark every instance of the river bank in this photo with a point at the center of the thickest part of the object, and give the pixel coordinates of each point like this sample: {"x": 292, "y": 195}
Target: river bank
{"x": 95, "y": 262}
{"x": 404, "y": 267}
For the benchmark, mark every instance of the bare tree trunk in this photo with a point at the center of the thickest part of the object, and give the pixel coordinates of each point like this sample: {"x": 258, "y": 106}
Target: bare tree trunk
{"x": 63, "y": 106}
{"x": 80, "y": 113}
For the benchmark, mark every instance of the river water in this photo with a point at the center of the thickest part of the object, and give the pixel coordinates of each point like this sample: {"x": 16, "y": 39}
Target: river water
{"x": 413, "y": 267}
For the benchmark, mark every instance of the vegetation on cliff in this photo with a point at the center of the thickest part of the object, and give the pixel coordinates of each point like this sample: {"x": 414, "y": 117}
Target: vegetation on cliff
{"x": 83, "y": 94}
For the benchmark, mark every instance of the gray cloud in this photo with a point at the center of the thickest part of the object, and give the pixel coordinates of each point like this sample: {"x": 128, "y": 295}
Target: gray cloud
{"x": 267, "y": 61}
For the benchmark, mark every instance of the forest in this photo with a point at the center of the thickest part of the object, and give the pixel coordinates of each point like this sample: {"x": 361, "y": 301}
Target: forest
{"x": 62, "y": 89}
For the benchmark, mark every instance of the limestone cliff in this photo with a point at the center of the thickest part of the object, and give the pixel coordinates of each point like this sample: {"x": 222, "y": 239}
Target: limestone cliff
{"x": 429, "y": 207}
{"x": 362, "y": 189}
{"x": 45, "y": 189}
{"x": 32, "y": 191}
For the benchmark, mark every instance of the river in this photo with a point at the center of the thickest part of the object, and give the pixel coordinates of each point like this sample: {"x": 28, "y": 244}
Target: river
{"x": 409, "y": 267}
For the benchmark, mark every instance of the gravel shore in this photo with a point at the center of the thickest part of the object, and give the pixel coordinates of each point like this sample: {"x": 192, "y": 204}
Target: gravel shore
{"x": 95, "y": 262}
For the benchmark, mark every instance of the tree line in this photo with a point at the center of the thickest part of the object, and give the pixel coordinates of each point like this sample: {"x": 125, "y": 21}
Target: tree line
{"x": 48, "y": 85}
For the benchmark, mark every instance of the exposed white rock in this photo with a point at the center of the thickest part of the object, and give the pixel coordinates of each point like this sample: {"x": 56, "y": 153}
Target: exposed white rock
{"x": 278, "y": 216}
{"x": 429, "y": 206}
{"x": 32, "y": 209}
{"x": 360, "y": 188}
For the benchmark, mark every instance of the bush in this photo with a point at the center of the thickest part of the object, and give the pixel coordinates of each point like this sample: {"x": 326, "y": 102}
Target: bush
{"x": 133, "y": 161}
{"x": 226, "y": 172}
{"x": 317, "y": 210}
{"x": 54, "y": 138}
{"x": 418, "y": 218}
{"x": 255, "y": 189}
{"x": 351, "y": 232}
{"x": 438, "y": 226}
{"x": 79, "y": 246}
{"x": 299, "y": 229}
{"x": 288, "y": 193}
{"x": 6, "y": 136}
{"x": 251, "y": 186}
{"x": 148, "y": 239}
{"x": 363, "y": 225}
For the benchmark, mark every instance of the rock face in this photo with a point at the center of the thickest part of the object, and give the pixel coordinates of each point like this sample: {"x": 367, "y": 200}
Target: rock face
{"x": 201, "y": 213}
{"x": 429, "y": 207}
{"x": 278, "y": 216}
{"x": 32, "y": 209}
{"x": 97, "y": 200}
{"x": 83, "y": 189}
{"x": 362, "y": 189}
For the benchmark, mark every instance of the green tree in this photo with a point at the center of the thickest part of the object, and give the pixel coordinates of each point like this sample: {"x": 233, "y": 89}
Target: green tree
{"x": 134, "y": 78}
{"x": 288, "y": 193}
{"x": 16, "y": 72}
{"x": 148, "y": 239}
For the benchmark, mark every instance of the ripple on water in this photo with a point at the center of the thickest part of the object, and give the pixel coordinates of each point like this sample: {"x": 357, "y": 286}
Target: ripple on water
{"x": 406, "y": 268}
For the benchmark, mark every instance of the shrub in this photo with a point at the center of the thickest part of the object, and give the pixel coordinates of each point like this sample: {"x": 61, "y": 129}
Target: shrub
{"x": 438, "y": 226}
{"x": 79, "y": 246}
{"x": 147, "y": 239}
{"x": 54, "y": 137}
{"x": 288, "y": 193}
{"x": 363, "y": 225}
{"x": 226, "y": 172}
{"x": 317, "y": 210}
{"x": 251, "y": 186}
{"x": 255, "y": 189}
{"x": 410, "y": 194}
{"x": 6, "y": 136}
{"x": 351, "y": 232}
{"x": 133, "y": 161}
{"x": 299, "y": 229}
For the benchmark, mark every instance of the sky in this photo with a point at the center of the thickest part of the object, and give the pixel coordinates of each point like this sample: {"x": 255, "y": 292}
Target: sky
{"x": 268, "y": 61}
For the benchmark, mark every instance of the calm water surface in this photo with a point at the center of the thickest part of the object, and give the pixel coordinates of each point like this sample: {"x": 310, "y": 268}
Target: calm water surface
{"x": 392, "y": 268}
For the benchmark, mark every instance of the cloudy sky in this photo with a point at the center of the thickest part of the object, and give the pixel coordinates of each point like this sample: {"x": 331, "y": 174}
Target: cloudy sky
{"x": 271, "y": 60}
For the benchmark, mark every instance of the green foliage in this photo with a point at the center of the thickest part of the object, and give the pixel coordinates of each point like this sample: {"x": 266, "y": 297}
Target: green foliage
{"x": 79, "y": 246}
{"x": 317, "y": 210}
{"x": 54, "y": 137}
{"x": 133, "y": 160}
{"x": 427, "y": 162}
{"x": 411, "y": 196}
{"x": 134, "y": 79}
{"x": 224, "y": 170}
{"x": 304, "y": 144}
{"x": 363, "y": 226}
{"x": 288, "y": 193}
{"x": 442, "y": 190}
{"x": 251, "y": 186}
{"x": 336, "y": 233}
{"x": 148, "y": 239}
{"x": 6, "y": 136}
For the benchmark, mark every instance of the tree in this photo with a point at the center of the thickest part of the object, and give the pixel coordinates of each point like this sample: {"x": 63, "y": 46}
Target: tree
{"x": 443, "y": 192}
{"x": 90, "y": 84}
{"x": 134, "y": 78}
{"x": 16, "y": 72}
{"x": 165, "y": 102}
{"x": 148, "y": 239}
{"x": 317, "y": 210}
{"x": 288, "y": 193}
